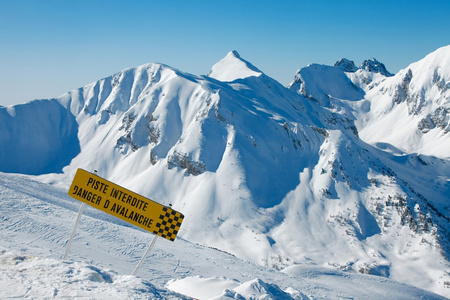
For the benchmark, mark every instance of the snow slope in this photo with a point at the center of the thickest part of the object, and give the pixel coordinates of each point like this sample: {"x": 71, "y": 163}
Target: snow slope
{"x": 320, "y": 83}
{"x": 36, "y": 223}
{"x": 259, "y": 170}
{"x": 411, "y": 110}
{"x": 37, "y": 138}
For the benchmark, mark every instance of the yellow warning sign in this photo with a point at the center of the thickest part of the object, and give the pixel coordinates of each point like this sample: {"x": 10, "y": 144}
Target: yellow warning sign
{"x": 126, "y": 205}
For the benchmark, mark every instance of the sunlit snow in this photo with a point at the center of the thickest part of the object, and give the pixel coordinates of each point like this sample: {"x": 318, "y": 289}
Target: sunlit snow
{"x": 335, "y": 187}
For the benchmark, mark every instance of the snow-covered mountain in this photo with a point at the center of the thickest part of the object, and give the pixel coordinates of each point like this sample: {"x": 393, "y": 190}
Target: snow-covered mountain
{"x": 411, "y": 110}
{"x": 407, "y": 113}
{"x": 316, "y": 174}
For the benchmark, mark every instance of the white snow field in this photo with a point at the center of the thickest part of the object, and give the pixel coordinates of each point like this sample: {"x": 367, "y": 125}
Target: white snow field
{"x": 37, "y": 219}
{"x": 334, "y": 187}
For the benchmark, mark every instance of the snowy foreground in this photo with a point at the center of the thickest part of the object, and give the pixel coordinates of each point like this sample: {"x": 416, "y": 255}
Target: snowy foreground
{"x": 36, "y": 221}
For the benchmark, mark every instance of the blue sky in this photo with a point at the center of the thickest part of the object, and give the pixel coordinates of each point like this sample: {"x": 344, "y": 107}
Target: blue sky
{"x": 50, "y": 47}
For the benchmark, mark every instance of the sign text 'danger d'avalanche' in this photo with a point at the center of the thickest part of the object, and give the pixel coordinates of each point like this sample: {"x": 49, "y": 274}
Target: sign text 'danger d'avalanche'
{"x": 126, "y": 205}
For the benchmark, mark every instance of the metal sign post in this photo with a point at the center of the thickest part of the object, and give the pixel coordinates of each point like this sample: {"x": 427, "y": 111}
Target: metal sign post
{"x": 80, "y": 212}
{"x": 145, "y": 255}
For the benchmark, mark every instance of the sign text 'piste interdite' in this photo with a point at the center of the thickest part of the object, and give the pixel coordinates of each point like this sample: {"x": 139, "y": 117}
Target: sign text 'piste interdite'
{"x": 126, "y": 205}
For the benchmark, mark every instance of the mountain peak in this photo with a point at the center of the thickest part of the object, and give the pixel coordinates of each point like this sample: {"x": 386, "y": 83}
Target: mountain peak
{"x": 346, "y": 65}
{"x": 374, "y": 66}
{"x": 233, "y": 67}
{"x": 234, "y": 53}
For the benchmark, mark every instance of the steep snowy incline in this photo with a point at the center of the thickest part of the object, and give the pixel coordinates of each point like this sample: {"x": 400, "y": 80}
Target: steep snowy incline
{"x": 344, "y": 81}
{"x": 406, "y": 113}
{"x": 411, "y": 111}
{"x": 36, "y": 221}
{"x": 38, "y": 137}
{"x": 321, "y": 83}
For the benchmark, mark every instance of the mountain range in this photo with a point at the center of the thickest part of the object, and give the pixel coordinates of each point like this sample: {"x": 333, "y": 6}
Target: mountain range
{"x": 347, "y": 167}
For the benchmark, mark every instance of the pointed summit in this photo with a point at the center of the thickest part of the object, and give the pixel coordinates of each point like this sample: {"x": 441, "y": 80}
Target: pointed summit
{"x": 233, "y": 67}
{"x": 346, "y": 65}
{"x": 374, "y": 66}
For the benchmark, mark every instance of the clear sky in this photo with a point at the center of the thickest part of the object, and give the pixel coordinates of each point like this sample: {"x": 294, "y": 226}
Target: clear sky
{"x": 49, "y": 47}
